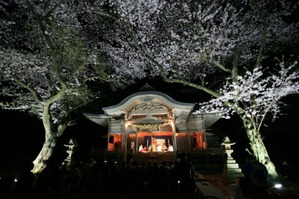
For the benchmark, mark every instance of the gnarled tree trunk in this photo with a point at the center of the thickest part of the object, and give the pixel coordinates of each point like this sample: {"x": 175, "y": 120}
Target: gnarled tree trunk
{"x": 257, "y": 146}
{"x": 44, "y": 154}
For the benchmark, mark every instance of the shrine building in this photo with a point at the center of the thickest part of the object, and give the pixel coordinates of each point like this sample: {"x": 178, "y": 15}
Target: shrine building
{"x": 150, "y": 123}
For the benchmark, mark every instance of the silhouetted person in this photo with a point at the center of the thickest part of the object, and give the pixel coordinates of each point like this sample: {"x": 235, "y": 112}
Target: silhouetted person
{"x": 255, "y": 181}
{"x": 26, "y": 179}
{"x": 186, "y": 177}
{"x": 41, "y": 188}
{"x": 72, "y": 181}
{"x": 92, "y": 184}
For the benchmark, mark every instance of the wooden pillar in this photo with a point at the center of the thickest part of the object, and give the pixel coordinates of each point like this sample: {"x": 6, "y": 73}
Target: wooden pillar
{"x": 150, "y": 131}
{"x": 174, "y": 139}
{"x": 189, "y": 141}
{"x": 109, "y": 133}
{"x": 108, "y": 137}
{"x": 136, "y": 143}
{"x": 125, "y": 143}
{"x": 199, "y": 141}
{"x": 205, "y": 144}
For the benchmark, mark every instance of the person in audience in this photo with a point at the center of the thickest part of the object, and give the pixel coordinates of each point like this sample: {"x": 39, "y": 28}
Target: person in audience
{"x": 159, "y": 147}
{"x": 24, "y": 186}
{"x": 140, "y": 148}
{"x": 186, "y": 176}
{"x": 154, "y": 144}
{"x": 164, "y": 147}
{"x": 170, "y": 148}
{"x": 149, "y": 148}
{"x": 144, "y": 149}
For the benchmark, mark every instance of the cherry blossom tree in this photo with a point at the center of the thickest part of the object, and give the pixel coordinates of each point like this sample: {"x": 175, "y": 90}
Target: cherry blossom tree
{"x": 216, "y": 46}
{"x": 253, "y": 97}
{"x": 46, "y": 66}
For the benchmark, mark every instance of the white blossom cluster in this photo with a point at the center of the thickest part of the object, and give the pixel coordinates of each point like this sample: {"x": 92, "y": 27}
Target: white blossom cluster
{"x": 186, "y": 37}
{"x": 30, "y": 76}
{"x": 255, "y": 95}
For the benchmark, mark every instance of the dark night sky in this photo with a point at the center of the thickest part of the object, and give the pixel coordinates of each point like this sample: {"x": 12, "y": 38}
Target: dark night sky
{"x": 22, "y": 136}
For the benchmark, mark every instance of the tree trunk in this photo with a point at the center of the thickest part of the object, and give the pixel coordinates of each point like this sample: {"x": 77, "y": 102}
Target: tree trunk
{"x": 44, "y": 154}
{"x": 258, "y": 147}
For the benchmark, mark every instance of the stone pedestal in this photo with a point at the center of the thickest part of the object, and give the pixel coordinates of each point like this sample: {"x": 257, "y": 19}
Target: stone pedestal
{"x": 69, "y": 151}
{"x": 231, "y": 168}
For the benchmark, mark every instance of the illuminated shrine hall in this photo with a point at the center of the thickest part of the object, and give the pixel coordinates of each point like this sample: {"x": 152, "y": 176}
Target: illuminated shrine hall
{"x": 150, "y": 123}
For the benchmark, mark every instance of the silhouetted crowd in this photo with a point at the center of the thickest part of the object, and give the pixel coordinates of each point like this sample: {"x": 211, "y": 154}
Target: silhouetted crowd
{"x": 92, "y": 179}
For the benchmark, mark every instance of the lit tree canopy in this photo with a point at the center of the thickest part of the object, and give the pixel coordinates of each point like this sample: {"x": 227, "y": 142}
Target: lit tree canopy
{"x": 47, "y": 60}
{"x": 211, "y": 46}
{"x": 190, "y": 39}
{"x": 256, "y": 93}
{"x": 47, "y": 65}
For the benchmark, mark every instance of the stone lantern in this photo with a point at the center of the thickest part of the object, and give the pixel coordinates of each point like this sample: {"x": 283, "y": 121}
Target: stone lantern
{"x": 232, "y": 170}
{"x": 227, "y": 148}
{"x": 70, "y": 147}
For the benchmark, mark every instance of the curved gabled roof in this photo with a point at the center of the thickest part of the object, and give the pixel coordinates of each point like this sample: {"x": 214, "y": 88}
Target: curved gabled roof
{"x": 148, "y": 96}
